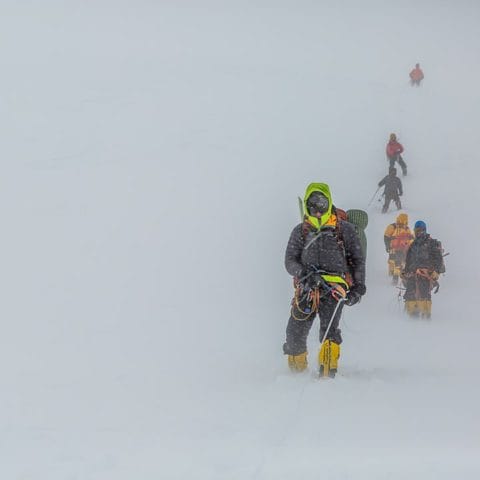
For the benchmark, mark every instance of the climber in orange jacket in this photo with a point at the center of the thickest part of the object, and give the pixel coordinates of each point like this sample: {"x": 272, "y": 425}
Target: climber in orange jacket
{"x": 397, "y": 238}
{"x": 416, "y": 75}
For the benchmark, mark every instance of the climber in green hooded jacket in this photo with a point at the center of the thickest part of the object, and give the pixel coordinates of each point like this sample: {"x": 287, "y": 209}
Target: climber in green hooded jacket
{"x": 325, "y": 257}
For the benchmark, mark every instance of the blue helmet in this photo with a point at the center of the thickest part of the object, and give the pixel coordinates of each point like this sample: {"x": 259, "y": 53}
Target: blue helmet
{"x": 420, "y": 224}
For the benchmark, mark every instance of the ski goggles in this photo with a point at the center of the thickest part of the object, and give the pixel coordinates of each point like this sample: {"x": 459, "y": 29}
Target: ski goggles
{"x": 317, "y": 204}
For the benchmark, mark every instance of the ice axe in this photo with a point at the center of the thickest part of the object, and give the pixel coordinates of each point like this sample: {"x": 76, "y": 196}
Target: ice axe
{"x": 339, "y": 302}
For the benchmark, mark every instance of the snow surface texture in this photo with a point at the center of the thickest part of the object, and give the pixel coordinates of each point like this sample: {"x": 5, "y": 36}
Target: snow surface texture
{"x": 152, "y": 156}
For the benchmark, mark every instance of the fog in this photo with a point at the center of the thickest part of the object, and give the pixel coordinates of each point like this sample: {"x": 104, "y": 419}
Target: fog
{"x": 152, "y": 155}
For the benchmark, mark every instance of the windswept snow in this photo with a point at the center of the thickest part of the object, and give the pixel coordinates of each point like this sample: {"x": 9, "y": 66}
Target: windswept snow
{"x": 152, "y": 156}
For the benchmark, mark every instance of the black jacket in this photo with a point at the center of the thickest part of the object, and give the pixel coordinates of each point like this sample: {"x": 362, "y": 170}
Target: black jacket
{"x": 425, "y": 252}
{"x": 393, "y": 186}
{"x": 336, "y": 250}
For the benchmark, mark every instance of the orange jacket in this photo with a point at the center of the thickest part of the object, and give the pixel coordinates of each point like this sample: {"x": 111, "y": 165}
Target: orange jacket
{"x": 398, "y": 235}
{"x": 416, "y": 74}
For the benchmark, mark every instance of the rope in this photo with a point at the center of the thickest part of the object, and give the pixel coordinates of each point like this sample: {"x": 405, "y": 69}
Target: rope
{"x": 314, "y": 298}
{"x": 423, "y": 273}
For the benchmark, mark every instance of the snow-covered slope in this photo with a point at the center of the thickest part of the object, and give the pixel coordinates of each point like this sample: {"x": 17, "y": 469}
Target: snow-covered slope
{"x": 152, "y": 155}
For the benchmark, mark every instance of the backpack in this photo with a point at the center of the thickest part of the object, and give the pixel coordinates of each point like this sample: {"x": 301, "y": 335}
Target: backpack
{"x": 359, "y": 218}
{"x": 438, "y": 244}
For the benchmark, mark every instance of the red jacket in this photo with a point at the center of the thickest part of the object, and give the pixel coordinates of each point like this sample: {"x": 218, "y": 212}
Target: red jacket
{"x": 394, "y": 148}
{"x": 416, "y": 74}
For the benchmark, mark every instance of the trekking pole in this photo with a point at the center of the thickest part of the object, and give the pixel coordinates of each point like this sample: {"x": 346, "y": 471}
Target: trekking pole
{"x": 374, "y": 195}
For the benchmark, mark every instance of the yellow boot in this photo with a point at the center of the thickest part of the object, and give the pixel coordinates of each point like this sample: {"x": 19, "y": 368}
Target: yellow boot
{"x": 328, "y": 358}
{"x": 411, "y": 306}
{"x": 298, "y": 363}
{"x": 425, "y": 308}
{"x": 397, "y": 270}
{"x": 391, "y": 267}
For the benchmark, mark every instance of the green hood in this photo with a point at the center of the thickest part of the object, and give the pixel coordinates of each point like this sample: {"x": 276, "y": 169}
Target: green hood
{"x": 325, "y": 190}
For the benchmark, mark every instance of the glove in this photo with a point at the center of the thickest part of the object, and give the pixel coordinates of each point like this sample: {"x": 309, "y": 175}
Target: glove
{"x": 434, "y": 276}
{"x": 353, "y": 297}
{"x": 355, "y": 294}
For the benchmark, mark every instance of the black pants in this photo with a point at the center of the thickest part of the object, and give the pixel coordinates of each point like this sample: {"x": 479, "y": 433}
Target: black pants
{"x": 418, "y": 288}
{"x": 398, "y": 158}
{"x": 388, "y": 199}
{"x": 297, "y": 330}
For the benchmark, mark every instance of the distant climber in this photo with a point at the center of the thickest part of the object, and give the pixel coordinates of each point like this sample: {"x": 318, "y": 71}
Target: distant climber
{"x": 394, "y": 152}
{"x": 397, "y": 238}
{"x": 416, "y": 76}
{"x": 393, "y": 189}
{"x": 423, "y": 266}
